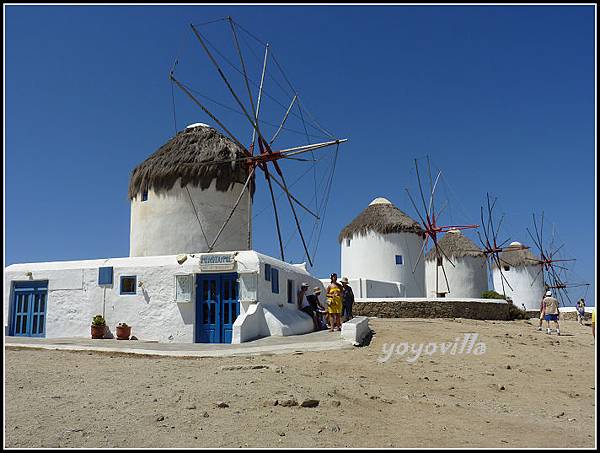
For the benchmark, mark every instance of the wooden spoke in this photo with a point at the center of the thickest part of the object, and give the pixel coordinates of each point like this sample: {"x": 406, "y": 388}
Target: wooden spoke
{"x": 421, "y": 192}
{"x": 285, "y": 117}
{"x": 267, "y": 177}
{"x": 421, "y": 253}
{"x": 416, "y": 209}
{"x": 445, "y": 278}
{"x": 287, "y": 192}
{"x": 248, "y": 179}
{"x": 213, "y": 117}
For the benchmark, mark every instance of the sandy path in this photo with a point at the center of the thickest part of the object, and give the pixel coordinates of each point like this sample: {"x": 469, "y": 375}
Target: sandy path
{"x": 511, "y": 396}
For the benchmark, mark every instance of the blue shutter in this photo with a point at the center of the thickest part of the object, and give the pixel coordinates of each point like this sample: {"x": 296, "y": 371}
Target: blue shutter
{"x": 267, "y": 272}
{"x": 274, "y": 280}
{"x": 398, "y": 259}
{"x": 105, "y": 276}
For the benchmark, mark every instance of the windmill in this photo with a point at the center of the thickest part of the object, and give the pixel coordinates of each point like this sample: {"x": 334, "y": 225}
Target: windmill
{"x": 261, "y": 154}
{"x": 429, "y": 221}
{"x": 553, "y": 269}
{"x": 491, "y": 246}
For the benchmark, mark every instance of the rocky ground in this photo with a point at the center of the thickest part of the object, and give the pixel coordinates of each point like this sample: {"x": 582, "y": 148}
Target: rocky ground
{"x": 526, "y": 389}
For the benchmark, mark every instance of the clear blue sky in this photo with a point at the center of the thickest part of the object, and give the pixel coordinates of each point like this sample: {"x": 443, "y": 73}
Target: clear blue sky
{"x": 501, "y": 99}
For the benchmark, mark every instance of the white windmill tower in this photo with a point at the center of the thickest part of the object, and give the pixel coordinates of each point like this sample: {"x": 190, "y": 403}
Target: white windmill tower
{"x": 382, "y": 243}
{"x": 466, "y": 278}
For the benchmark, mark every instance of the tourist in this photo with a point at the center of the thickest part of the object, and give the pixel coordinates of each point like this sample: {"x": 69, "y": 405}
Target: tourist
{"x": 304, "y": 305}
{"x": 551, "y": 312}
{"x": 334, "y": 303}
{"x": 317, "y": 307}
{"x": 580, "y": 310}
{"x": 347, "y": 299}
{"x": 594, "y": 322}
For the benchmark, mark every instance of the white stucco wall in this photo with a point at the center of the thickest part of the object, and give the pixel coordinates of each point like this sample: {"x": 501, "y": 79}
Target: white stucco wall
{"x": 467, "y": 278}
{"x": 166, "y": 223}
{"x": 74, "y": 295}
{"x": 524, "y": 289}
{"x": 373, "y": 257}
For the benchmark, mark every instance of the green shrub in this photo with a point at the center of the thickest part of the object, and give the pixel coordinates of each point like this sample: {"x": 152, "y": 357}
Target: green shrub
{"x": 491, "y": 295}
{"x": 516, "y": 313}
{"x": 98, "y": 321}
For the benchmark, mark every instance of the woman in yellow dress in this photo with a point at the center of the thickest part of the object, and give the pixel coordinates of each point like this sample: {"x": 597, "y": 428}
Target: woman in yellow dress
{"x": 334, "y": 304}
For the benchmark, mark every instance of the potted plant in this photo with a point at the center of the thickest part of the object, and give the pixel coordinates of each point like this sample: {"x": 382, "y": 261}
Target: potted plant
{"x": 123, "y": 331}
{"x": 98, "y": 327}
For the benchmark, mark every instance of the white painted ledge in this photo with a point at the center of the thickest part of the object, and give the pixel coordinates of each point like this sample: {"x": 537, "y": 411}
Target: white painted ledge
{"x": 356, "y": 330}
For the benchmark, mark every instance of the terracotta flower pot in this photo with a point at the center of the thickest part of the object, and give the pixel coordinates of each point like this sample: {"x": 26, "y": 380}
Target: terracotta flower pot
{"x": 98, "y": 332}
{"x": 123, "y": 333}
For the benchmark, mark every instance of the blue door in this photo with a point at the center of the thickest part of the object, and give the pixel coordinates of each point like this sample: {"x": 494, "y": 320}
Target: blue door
{"x": 28, "y": 309}
{"x": 217, "y": 307}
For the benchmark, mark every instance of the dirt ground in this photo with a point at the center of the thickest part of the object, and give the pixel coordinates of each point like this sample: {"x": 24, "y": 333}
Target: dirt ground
{"x": 526, "y": 390}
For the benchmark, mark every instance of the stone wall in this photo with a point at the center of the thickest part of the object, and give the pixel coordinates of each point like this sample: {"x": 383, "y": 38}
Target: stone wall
{"x": 564, "y": 315}
{"x": 432, "y": 308}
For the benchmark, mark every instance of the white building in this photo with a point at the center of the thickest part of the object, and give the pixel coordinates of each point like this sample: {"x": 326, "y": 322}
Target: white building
{"x": 379, "y": 249}
{"x": 209, "y": 298}
{"x": 524, "y": 275}
{"x": 168, "y": 289}
{"x": 467, "y": 274}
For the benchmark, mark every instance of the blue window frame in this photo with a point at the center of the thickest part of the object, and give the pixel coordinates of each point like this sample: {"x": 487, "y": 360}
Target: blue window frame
{"x": 267, "y": 272}
{"x": 399, "y": 259}
{"x": 145, "y": 195}
{"x": 105, "y": 275}
{"x": 128, "y": 284}
{"x": 274, "y": 280}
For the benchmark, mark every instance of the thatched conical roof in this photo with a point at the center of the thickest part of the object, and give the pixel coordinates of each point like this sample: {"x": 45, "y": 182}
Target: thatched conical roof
{"x": 516, "y": 256}
{"x": 455, "y": 245}
{"x": 185, "y": 156}
{"x": 382, "y": 217}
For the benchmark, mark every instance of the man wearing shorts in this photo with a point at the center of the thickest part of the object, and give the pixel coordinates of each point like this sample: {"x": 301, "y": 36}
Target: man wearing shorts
{"x": 551, "y": 312}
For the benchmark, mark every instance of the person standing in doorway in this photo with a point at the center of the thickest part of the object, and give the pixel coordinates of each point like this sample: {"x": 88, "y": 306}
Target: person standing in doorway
{"x": 551, "y": 312}
{"x": 347, "y": 299}
{"x": 334, "y": 303}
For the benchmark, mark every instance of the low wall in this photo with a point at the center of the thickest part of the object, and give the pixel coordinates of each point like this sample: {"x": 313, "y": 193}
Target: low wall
{"x": 432, "y": 308}
{"x": 566, "y": 314}
{"x": 356, "y": 330}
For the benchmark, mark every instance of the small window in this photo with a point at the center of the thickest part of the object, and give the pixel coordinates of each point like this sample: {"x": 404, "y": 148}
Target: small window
{"x": 506, "y": 268}
{"x": 290, "y": 291}
{"x": 105, "y": 275}
{"x": 267, "y": 272}
{"x": 183, "y": 288}
{"x": 347, "y": 242}
{"x": 145, "y": 195}
{"x": 128, "y": 285}
{"x": 274, "y": 280}
{"x": 439, "y": 260}
{"x": 399, "y": 259}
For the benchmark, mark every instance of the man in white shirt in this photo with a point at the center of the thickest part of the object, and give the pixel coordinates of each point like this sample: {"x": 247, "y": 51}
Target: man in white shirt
{"x": 551, "y": 311}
